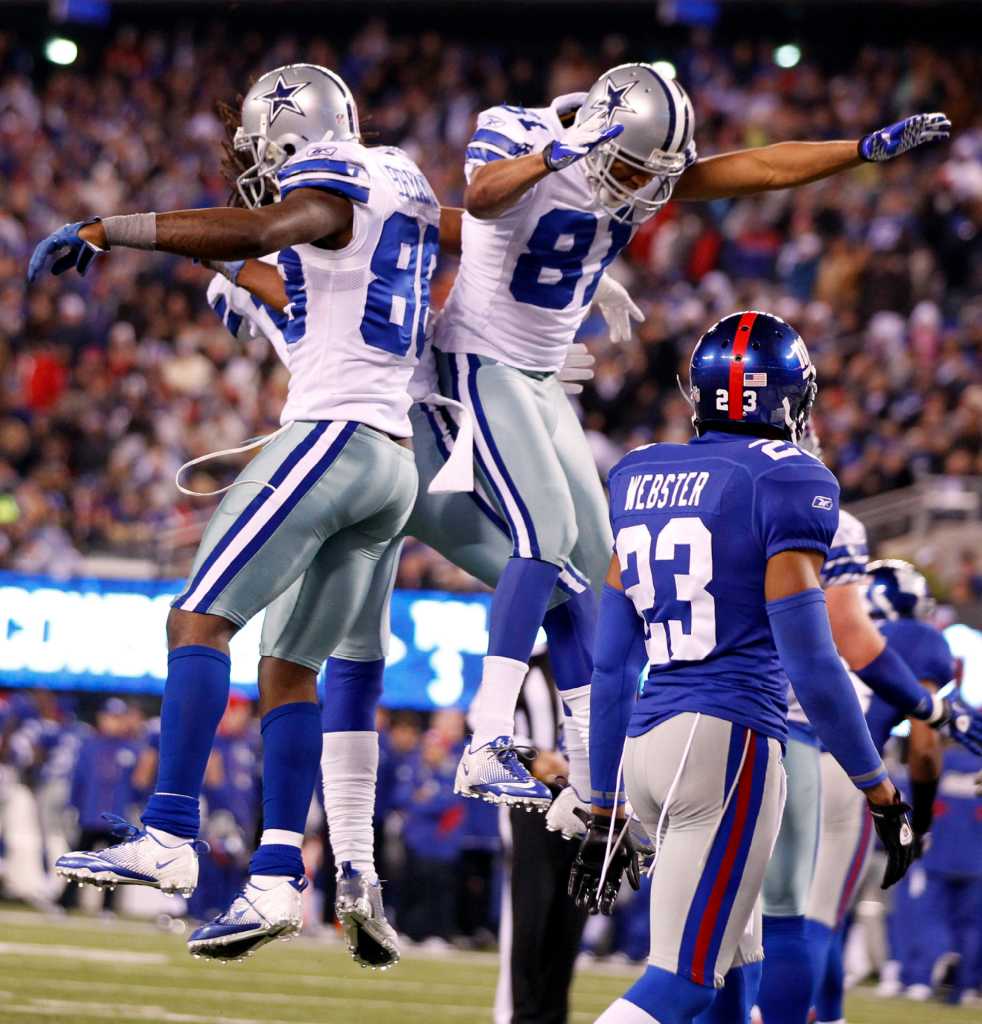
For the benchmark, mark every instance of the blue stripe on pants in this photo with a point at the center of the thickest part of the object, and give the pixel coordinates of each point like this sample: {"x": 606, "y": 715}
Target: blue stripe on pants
{"x": 474, "y": 364}
{"x": 256, "y": 505}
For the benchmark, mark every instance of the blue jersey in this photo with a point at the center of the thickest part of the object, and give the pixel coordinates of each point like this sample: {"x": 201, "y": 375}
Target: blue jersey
{"x": 694, "y": 526}
{"x": 956, "y": 834}
{"x": 926, "y": 653}
{"x": 923, "y": 648}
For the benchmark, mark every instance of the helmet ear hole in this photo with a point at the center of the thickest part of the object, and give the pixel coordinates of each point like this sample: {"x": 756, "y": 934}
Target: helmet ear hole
{"x": 289, "y": 149}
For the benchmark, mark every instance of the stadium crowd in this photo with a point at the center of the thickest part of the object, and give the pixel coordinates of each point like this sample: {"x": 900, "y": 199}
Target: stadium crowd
{"x": 110, "y": 382}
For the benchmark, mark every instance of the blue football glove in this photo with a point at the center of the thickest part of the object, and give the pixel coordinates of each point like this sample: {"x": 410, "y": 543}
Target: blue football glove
{"x": 579, "y": 139}
{"x": 63, "y": 249}
{"x": 961, "y": 722}
{"x": 904, "y": 135}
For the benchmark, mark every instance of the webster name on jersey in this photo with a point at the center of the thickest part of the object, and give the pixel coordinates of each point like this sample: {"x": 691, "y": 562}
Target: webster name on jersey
{"x": 527, "y": 277}
{"x": 356, "y": 319}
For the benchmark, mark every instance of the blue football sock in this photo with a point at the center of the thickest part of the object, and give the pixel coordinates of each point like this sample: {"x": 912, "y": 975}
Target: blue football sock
{"x": 669, "y": 998}
{"x": 819, "y": 938}
{"x": 195, "y": 697}
{"x": 570, "y": 629}
{"x": 518, "y": 607}
{"x": 736, "y": 998}
{"x": 291, "y": 761}
{"x": 786, "y": 987}
{"x": 828, "y": 1000}
{"x": 351, "y": 694}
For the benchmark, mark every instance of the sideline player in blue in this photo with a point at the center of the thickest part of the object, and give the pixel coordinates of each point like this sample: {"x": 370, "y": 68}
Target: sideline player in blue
{"x": 715, "y": 582}
{"x": 898, "y": 597}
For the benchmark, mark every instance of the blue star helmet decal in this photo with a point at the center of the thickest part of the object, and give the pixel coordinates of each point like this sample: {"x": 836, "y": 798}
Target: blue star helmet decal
{"x": 280, "y": 98}
{"x": 615, "y": 99}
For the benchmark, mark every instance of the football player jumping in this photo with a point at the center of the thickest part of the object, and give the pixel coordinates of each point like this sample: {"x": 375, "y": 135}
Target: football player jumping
{"x": 356, "y": 232}
{"x": 553, "y": 195}
{"x": 714, "y": 581}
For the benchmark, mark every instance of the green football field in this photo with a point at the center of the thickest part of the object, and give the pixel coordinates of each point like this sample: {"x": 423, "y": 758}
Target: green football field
{"x": 76, "y": 969}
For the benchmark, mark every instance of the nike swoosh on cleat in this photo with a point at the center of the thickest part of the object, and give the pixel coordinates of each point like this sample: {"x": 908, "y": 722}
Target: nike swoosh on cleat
{"x": 160, "y": 865}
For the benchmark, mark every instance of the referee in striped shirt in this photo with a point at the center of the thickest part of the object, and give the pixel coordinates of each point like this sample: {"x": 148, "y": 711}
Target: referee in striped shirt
{"x": 540, "y": 931}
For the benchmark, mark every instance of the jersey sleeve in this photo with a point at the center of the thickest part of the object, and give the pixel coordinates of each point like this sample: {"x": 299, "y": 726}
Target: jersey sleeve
{"x": 938, "y": 664}
{"x": 336, "y": 167}
{"x": 500, "y": 135}
{"x": 222, "y": 299}
{"x": 796, "y": 508}
{"x": 848, "y": 554}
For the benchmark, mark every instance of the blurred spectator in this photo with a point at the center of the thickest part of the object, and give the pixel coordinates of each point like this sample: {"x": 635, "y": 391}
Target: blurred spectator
{"x": 102, "y": 782}
{"x": 433, "y": 833}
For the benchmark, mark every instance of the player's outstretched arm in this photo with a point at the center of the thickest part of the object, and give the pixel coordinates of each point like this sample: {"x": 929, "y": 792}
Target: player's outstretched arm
{"x": 803, "y": 638}
{"x": 451, "y": 218}
{"x": 789, "y": 164}
{"x": 497, "y": 186}
{"x": 225, "y": 233}
{"x": 260, "y": 279}
{"x": 887, "y": 674}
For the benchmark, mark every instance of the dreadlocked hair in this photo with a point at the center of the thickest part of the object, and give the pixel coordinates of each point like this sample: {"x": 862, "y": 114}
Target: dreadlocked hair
{"x": 233, "y": 162}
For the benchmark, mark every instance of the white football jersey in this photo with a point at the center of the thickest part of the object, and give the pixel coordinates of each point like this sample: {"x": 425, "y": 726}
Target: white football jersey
{"x": 846, "y": 563}
{"x": 246, "y": 316}
{"x": 357, "y": 316}
{"x": 527, "y": 277}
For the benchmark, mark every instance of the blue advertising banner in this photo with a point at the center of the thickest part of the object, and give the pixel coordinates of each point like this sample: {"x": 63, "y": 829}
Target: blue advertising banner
{"x": 93, "y": 634}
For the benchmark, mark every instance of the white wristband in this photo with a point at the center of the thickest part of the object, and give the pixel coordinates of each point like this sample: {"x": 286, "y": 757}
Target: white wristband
{"x": 133, "y": 230}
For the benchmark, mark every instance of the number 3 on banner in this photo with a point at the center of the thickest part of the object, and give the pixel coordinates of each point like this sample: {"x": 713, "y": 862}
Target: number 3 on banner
{"x": 689, "y": 586}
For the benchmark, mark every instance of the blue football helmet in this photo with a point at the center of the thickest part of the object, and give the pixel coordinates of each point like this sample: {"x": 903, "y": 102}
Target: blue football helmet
{"x": 897, "y": 591}
{"x": 752, "y": 370}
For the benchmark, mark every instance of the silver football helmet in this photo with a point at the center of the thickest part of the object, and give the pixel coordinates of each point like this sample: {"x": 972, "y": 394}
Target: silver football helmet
{"x": 286, "y": 109}
{"x": 657, "y": 139}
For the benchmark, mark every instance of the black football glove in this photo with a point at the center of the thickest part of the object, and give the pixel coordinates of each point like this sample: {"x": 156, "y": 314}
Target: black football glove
{"x": 892, "y": 822}
{"x": 584, "y": 876}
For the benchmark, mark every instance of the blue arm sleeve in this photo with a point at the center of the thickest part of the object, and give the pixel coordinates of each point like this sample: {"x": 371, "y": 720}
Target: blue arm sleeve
{"x": 618, "y": 660}
{"x": 803, "y": 637}
{"x": 888, "y": 676}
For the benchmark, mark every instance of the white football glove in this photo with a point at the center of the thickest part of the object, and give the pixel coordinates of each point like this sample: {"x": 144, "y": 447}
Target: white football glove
{"x": 577, "y": 368}
{"x": 561, "y": 817}
{"x": 617, "y": 308}
{"x": 579, "y": 139}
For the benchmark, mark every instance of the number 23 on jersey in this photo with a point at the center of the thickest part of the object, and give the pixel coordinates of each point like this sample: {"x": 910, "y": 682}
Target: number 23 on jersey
{"x": 666, "y": 638}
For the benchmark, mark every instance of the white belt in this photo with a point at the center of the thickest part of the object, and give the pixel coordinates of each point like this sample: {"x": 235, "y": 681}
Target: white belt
{"x": 457, "y": 474}
{"x": 256, "y": 442}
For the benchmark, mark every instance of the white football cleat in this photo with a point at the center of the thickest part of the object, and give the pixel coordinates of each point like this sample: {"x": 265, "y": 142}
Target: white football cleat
{"x": 259, "y": 913}
{"x": 371, "y": 940}
{"x": 140, "y": 859}
{"x": 494, "y": 772}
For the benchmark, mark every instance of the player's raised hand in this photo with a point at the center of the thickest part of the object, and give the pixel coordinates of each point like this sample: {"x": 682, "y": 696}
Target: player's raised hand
{"x": 962, "y": 723}
{"x": 892, "y": 823}
{"x": 897, "y": 138}
{"x": 577, "y": 369}
{"x": 62, "y": 250}
{"x": 579, "y": 139}
{"x": 591, "y": 886}
{"x": 617, "y": 308}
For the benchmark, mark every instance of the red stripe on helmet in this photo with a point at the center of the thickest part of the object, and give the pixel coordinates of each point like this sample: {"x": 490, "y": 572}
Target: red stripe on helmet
{"x": 741, "y": 340}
